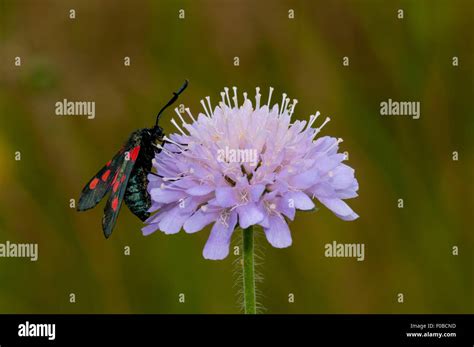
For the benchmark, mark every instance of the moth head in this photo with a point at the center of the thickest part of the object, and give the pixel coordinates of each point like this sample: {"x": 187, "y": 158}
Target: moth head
{"x": 157, "y": 133}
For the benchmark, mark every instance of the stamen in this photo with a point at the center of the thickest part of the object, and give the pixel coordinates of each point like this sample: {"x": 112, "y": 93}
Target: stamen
{"x": 235, "y": 96}
{"x": 223, "y": 218}
{"x": 208, "y": 98}
{"x": 179, "y": 115}
{"x": 205, "y": 108}
{"x": 317, "y": 130}
{"x": 227, "y": 95}
{"x": 223, "y": 97}
{"x": 188, "y": 111}
{"x": 244, "y": 196}
{"x": 167, "y": 139}
{"x": 324, "y": 123}
{"x": 283, "y": 102}
{"x": 312, "y": 119}
{"x": 270, "y": 97}
{"x": 177, "y": 126}
{"x": 339, "y": 140}
{"x": 293, "y": 107}
{"x": 245, "y": 96}
{"x": 164, "y": 150}
{"x": 257, "y": 98}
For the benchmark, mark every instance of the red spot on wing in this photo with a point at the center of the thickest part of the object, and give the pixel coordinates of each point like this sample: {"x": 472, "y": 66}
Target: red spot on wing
{"x": 105, "y": 175}
{"x": 114, "y": 203}
{"x": 108, "y": 163}
{"x": 134, "y": 153}
{"x": 93, "y": 183}
{"x": 122, "y": 179}
{"x": 115, "y": 177}
{"x": 116, "y": 185}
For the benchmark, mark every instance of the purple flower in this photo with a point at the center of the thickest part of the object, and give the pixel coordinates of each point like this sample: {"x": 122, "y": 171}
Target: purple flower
{"x": 243, "y": 166}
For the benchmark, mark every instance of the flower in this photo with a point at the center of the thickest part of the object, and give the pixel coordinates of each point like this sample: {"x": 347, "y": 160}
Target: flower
{"x": 243, "y": 166}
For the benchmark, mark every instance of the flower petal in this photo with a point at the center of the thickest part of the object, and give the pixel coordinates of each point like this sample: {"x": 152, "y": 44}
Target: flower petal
{"x": 249, "y": 214}
{"x": 343, "y": 177}
{"x": 256, "y": 191}
{"x": 340, "y": 208}
{"x": 200, "y": 190}
{"x": 217, "y": 245}
{"x": 305, "y": 179}
{"x": 300, "y": 200}
{"x": 278, "y": 234}
{"x": 149, "y": 229}
{"x": 199, "y": 220}
{"x": 226, "y": 197}
{"x": 173, "y": 220}
{"x": 286, "y": 208}
{"x": 166, "y": 195}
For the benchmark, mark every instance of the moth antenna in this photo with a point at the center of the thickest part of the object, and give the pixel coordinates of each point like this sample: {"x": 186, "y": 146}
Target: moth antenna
{"x": 172, "y": 100}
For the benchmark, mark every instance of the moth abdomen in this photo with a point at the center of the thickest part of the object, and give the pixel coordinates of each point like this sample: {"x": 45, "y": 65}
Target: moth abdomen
{"x": 136, "y": 196}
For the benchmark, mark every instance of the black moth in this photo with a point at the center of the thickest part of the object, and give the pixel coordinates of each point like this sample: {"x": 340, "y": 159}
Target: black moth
{"x": 125, "y": 175}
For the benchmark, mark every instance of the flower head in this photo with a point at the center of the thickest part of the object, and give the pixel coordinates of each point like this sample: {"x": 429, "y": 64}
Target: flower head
{"x": 246, "y": 165}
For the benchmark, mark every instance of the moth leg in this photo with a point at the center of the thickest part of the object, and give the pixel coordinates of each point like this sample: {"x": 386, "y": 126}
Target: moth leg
{"x": 155, "y": 174}
{"x": 159, "y": 149}
{"x": 181, "y": 144}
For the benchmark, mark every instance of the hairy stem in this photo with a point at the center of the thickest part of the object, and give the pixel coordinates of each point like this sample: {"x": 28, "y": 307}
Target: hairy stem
{"x": 248, "y": 270}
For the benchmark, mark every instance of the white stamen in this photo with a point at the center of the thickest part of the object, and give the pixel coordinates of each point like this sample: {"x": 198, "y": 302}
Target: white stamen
{"x": 208, "y": 98}
{"x": 257, "y": 98}
{"x": 312, "y": 119}
{"x": 324, "y": 123}
{"x": 179, "y": 115}
{"x": 317, "y": 130}
{"x": 167, "y": 139}
{"x": 293, "y": 107}
{"x": 223, "y": 97}
{"x": 283, "y": 101}
{"x": 205, "y": 108}
{"x": 339, "y": 140}
{"x": 223, "y": 218}
{"x": 226, "y": 90}
{"x": 204, "y": 208}
{"x": 165, "y": 151}
{"x": 244, "y": 196}
{"x": 235, "y": 96}
{"x": 188, "y": 111}
{"x": 177, "y": 126}
{"x": 270, "y": 97}
{"x": 245, "y": 96}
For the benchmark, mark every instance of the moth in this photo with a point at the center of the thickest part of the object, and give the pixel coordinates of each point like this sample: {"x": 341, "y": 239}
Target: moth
{"x": 125, "y": 175}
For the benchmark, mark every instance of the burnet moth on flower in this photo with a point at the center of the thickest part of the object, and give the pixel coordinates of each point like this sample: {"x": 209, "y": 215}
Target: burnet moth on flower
{"x": 125, "y": 175}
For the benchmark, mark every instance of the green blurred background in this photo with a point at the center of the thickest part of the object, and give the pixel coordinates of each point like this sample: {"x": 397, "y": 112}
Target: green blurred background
{"x": 407, "y": 250}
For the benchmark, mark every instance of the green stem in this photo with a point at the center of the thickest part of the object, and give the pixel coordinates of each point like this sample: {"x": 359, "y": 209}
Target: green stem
{"x": 248, "y": 269}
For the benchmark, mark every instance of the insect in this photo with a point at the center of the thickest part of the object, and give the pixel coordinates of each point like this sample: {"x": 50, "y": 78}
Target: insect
{"x": 125, "y": 175}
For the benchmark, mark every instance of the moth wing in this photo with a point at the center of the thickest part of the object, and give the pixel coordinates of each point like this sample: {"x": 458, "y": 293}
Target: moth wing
{"x": 100, "y": 184}
{"x": 118, "y": 188}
